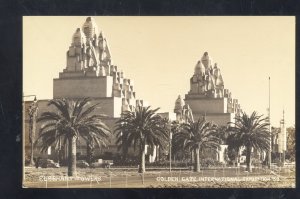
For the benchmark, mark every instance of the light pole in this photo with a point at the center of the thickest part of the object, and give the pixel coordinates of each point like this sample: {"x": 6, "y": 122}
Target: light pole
{"x": 32, "y": 112}
{"x": 122, "y": 147}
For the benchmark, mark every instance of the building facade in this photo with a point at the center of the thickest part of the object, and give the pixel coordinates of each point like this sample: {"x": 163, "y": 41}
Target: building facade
{"x": 90, "y": 72}
{"x": 208, "y": 98}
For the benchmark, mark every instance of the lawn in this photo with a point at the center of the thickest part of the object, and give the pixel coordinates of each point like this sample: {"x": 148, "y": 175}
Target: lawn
{"x": 122, "y": 178}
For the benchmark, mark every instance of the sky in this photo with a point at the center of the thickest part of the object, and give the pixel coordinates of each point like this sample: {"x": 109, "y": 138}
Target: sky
{"x": 159, "y": 54}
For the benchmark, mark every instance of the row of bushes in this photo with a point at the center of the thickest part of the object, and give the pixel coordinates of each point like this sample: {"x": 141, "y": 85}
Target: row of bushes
{"x": 207, "y": 162}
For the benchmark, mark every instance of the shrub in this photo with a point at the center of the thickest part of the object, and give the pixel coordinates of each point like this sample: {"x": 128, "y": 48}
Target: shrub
{"x": 27, "y": 159}
{"x": 209, "y": 162}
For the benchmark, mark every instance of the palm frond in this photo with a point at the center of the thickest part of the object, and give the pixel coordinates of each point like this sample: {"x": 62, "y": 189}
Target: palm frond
{"x": 72, "y": 118}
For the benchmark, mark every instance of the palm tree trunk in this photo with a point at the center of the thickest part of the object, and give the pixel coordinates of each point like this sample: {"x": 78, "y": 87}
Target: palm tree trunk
{"x": 72, "y": 157}
{"x": 88, "y": 153}
{"x": 31, "y": 154}
{"x": 31, "y": 141}
{"x": 61, "y": 153}
{"x": 238, "y": 157}
{"x": 197, "y": 160}
{"x": 248, "y": 158}
{"x": 142, "y": 160}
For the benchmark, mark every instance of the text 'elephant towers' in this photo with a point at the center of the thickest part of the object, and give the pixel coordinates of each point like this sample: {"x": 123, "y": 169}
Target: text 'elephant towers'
{"x": 207, "y": 96}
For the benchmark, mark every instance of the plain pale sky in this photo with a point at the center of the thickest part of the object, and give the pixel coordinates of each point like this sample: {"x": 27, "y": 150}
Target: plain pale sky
{"x": 159, "y": 54}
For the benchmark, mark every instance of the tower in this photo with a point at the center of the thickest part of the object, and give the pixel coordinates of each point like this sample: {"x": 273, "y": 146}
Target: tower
{"x": 90, "y": 73}
{"x": 207, "y": 95}
{"x": 282, "y": 139}
{"x": 208, "y": 98}
{"x": 179, "y": 103}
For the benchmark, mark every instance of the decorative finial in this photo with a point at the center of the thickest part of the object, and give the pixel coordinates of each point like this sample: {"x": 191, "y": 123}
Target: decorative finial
{"x": 90, "y": 27}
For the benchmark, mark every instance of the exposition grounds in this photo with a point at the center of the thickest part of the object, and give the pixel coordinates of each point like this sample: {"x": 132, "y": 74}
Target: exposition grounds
{"x": 226, "y": 177}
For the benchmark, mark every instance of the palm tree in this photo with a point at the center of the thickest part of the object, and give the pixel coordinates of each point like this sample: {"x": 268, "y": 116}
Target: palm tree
{"x": 32, "y": 113}
{"x": 197, "y": 136}
{"x": 91, "y": 143}
{"x": 177, "y": 146}
{"x": 227, "y": 138}
{"x": 251, "y": 132}
{"x": 223, "y": 134}
{"x": 291, "y": 142}
{"x": 140, "y": 128}
{"x": 234, "y": 147}
{"x": 71, "y": 120}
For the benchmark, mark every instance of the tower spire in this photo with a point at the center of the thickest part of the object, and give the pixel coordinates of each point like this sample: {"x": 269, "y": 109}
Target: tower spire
{"x": 269, "y": 115}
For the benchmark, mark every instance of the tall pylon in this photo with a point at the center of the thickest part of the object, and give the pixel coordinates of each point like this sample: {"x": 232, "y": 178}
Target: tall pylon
{"x": 269, "y": 117}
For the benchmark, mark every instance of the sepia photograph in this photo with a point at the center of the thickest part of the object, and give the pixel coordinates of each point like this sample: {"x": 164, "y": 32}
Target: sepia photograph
{"x": 158, "y": 102}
